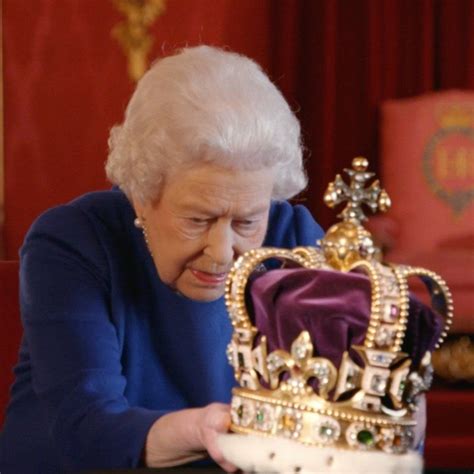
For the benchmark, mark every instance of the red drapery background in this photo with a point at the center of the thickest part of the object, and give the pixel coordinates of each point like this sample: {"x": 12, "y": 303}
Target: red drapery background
{"x": 65, "y": 80}
{"x": 347, "y": 57}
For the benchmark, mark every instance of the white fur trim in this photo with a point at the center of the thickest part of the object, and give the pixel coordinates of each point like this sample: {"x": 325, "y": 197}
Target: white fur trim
{"x": 253, "y": 453}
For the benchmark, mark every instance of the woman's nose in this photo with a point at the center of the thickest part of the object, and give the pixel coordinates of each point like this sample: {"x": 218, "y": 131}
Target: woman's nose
{"x": 220, "y": 244}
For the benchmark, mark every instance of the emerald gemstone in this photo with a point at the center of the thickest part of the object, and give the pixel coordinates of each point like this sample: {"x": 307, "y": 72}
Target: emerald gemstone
{"x": 260, "y": 416}
{"x": 240, "y": 411}
{"x": 365, "y": 437}
{"x": 240, "y": 358}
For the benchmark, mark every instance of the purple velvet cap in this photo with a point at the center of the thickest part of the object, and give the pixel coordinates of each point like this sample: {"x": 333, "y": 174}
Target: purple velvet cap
{"x": 334, "y": 307}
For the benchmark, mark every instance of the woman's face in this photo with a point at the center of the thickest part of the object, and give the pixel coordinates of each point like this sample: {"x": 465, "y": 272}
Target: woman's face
{"x": 205, "y": 218}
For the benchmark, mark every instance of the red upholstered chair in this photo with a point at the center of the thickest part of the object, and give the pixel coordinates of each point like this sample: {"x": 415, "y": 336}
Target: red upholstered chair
{"x": 10, "y": 330}
{"x": 427, "y": 167}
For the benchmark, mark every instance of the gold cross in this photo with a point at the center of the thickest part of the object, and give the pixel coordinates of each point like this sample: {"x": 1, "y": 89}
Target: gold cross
{"x": 355, "y": 194}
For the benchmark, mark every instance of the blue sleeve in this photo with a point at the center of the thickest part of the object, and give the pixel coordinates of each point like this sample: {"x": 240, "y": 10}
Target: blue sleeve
{"x": 73, "y": 344}
{"x": 291, "y": 226}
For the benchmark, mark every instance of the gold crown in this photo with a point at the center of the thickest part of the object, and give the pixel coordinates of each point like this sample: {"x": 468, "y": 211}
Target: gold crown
{"x": 354, "y": 407}
{"x": 457, "y": 115}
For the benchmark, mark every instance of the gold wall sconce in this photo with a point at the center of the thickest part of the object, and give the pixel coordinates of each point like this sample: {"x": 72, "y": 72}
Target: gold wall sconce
{"x": 133, "y": 33}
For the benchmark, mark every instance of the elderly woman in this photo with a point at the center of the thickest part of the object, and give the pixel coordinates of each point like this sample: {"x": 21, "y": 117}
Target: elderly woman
{"x": 123, "y": 361}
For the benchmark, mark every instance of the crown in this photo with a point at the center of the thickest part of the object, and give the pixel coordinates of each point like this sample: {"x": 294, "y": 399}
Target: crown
{"x": 367, "y": 400}
{"x": 456, "y": 115}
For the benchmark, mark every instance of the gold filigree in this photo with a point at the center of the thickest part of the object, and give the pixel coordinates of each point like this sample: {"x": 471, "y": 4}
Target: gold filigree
{"x": 133, "y": 35}
{"x": 301, "y": 367}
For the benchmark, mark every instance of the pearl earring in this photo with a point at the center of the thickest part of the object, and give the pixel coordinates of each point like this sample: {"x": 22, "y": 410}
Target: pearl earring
{"x": 139, "y": 223}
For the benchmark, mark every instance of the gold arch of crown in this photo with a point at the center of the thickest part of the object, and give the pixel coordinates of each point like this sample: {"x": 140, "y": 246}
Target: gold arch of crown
{"x": 369, "y": 407}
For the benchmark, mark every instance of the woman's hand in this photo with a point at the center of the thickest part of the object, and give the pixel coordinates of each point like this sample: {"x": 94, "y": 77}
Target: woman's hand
{"x": 188, "y": 435}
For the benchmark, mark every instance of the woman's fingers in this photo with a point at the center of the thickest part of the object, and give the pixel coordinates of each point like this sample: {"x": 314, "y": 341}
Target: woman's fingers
{"x": 216, "y": 420}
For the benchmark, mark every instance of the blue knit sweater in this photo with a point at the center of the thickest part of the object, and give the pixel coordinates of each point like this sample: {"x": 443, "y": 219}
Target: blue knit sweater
{"x": 107, "y": 347}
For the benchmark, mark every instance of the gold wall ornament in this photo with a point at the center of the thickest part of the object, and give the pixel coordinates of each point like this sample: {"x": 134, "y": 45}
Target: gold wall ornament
{"x": 133, "y": 35}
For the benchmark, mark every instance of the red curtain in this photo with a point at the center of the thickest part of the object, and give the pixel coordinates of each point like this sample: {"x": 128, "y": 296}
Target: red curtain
{"x": 335, "y": 60}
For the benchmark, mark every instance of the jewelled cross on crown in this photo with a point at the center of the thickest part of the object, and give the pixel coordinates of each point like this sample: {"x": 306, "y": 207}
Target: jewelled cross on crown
{"x": 355, "y": 194}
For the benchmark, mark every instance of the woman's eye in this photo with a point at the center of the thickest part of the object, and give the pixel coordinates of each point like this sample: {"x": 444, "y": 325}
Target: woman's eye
{"x": 246, "y": 224}
{"x": 198, "y": 220}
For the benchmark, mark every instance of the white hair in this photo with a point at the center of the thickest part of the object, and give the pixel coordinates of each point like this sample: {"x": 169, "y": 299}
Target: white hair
{"x": 205, "y": 105}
